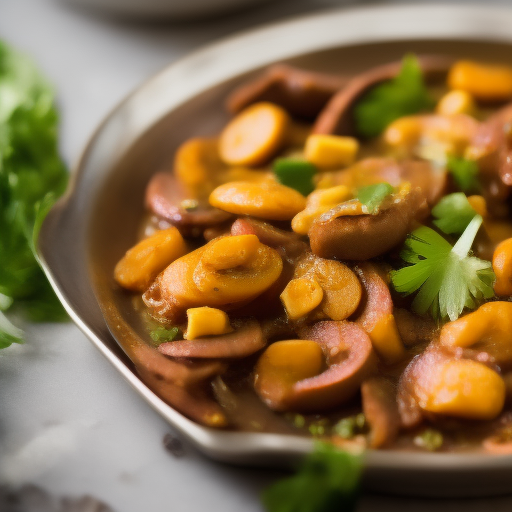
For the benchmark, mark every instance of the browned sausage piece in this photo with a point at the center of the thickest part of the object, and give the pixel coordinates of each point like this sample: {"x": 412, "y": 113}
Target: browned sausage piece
{"x": 165, "y": 196}
{"x": 242, "y": 342}
{"x": 336, "y": 117}
{"x": 492, "y": 146}
{"x": 362, "y": 237}
{"x": 192, "y": 402}
{"x": 302, "y": 93}
{"x": 381, "y": 411}
{"x": 180, "y": 383}
{"x": 287, "y": 243}
{"x": 350, "y": 360}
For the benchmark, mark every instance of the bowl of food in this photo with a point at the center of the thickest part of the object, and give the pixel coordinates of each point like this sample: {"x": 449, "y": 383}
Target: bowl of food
{"x": 280, "y": 239}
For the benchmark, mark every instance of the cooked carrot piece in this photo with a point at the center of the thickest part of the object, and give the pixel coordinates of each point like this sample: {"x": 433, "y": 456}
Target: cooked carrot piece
{"x": 143, "y": 262}
{"x": 502, "y": 266}
{"x": 484, "y": 82}
{"x": 254, "y": 135}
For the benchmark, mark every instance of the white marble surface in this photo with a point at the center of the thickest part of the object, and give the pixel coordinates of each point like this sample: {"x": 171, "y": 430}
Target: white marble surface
{"x": 68, "y": 422}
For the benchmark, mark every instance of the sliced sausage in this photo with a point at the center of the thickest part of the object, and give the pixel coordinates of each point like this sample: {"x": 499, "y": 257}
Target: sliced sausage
{"x": 165, "y": 196}
{"x": 302, "y": 93}
{"x": 336, "y": 117}
{"x": 350, "y": 360}
{"x": 362, "y": 237}
{"x": 381, "y": 411}
{"x": 242, "y": 342}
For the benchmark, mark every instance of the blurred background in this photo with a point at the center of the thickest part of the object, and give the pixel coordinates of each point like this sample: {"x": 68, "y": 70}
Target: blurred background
{"x": 69, "y": 427}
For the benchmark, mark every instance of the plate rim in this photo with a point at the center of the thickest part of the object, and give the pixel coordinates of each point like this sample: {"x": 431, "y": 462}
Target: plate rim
{"x": 239, "y": 447}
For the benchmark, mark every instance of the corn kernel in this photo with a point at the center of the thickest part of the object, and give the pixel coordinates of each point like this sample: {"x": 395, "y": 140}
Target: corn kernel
{"x": 466, "y": 389}
{"x": 456, "y": 102}
{"x": 301, "y": 296}
{"x": 206, "y": 321}
{"x": 331, "y": 151}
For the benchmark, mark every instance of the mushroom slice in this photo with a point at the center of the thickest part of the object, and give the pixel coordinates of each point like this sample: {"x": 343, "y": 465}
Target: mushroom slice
{"x": 335, "y": 118}
{"x": 294, "y": 383}
{"x": 167, "y": 198}
{"x": 381, "y": 411}
{"x": 243, "y": 342}
{"x": 377, "y": 317}
{"x": 365, "y": 236}
{"x": 302, "y": 93}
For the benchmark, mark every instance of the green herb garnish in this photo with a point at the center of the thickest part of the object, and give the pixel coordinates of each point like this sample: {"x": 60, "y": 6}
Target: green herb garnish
{"x": 430, "y": 439}
{"x": 404, "y": 95}
{"x": 32, "y": 176}
{"x": 446, "y": 278}
{"x": 453, "y": 213}
{"x": 295, "y": 173}
{"x": 162, "y": 334}
{"x": 328, "y": 481}
{"x": 464, "y": 173}
{"x": 372, "y": 196}
{"x": 347, "y": 428}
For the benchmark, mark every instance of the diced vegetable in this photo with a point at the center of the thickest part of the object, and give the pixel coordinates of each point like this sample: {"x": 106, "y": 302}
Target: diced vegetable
{"x": 331, "y": 151}
{"x": 502, "y": 266}
{"x": 205, "y": 321}
{"x": 429, "y": 439}
{"x": 301, "y": 296}
{"x": 162, "y": 334}
{"x": 485, "y": 82}
{"x": 295, "y": 173}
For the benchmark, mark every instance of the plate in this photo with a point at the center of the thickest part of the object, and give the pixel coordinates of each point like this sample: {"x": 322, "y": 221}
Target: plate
{"x": 96, "y": 221}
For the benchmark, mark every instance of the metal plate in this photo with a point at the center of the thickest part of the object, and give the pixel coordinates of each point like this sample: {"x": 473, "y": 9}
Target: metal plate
{"x": 96, "y": 221}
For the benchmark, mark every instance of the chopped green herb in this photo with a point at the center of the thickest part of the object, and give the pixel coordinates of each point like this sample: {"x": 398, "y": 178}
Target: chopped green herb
{"x": 32, "y": 176}
{"x": 328, "y": 481}
{"x": 405, "y": 94}
{"x": 299, "y": 421}
{"x": 453, "y": 213}
{"x": 446, "y": 278}
{"x": 464, "y": 173}
{"x": 429, "y": 439}
{"x": 347, "y": 428}
{"x": 162, "y": 334}
{"x": 295, "y": 173}
{"x": 372, "y": 196}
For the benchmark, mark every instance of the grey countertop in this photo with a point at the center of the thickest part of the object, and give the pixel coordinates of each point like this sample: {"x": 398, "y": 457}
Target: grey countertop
{"x": 68, "y": 423}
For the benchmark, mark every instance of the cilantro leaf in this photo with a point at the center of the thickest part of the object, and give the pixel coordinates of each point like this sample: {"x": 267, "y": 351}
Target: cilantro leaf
{"x": 373, "y": 195}
{"x": 32, "y": 176}
{"x": 328, "y": 481}
{"x": 295, "y": 173}
{"x": 453, "y": 213}
{"x": 464, "y": 173}
{"x": 446, "y": 278}
{"x": 404, "y": 95}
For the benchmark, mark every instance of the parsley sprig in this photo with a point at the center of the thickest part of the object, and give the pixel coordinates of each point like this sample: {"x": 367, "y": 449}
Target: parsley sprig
{"x": 328, "y": 481}
{"x": 404, "y": 95}
{"x": 446, "y": 278}
{"x": 32, "y": 175}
